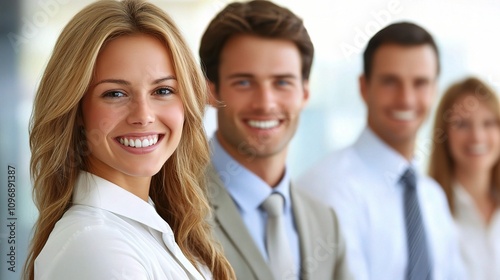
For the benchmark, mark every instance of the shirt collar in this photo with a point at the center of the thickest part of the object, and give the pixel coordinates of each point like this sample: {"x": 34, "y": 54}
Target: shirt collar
{"x": 94, "y": 191}
{"x": 246, "y": 188}
{"x": 381, "y": 157}
{"x": 464, "y": 203}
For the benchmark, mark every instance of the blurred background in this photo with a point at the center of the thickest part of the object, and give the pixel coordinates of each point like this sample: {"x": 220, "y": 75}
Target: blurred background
{"x": 466, "y": 33}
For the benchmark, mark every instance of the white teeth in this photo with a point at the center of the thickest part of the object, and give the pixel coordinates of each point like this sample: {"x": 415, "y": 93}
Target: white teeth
{"x": 263, "y": 124}
{"x": 139, "y": 143}
{"x": 478, "y": 149}
{"x": 406, "y": 115}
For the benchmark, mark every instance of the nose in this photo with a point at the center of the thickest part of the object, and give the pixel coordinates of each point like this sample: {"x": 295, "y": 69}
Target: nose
{"x": 264, "y": 98}
{"x": 477, "y": 132}
{"x": 406, "y": 95}
{"x": 141, "y": 113}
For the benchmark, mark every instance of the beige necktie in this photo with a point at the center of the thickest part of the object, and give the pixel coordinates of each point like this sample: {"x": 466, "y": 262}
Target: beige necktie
{"x": 278, "y": 248}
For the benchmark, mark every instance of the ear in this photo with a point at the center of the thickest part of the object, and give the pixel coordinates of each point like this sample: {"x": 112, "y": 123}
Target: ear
{"x": 305, "y": 87}
{"x": 363, "y": 87}
{"x": 212, "y": 98}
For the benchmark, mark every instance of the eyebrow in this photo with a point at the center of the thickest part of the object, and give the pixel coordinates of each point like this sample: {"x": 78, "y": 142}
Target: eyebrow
{"x": 127, "y": 83}
{"x": 247, "y": 75}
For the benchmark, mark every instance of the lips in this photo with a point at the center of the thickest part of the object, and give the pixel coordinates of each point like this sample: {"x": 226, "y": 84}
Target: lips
{"x": 139, "y": 142}
{"x": 404, "y": 115}
{"x": 260, "y": 124}
{"x": 477, "y": 149}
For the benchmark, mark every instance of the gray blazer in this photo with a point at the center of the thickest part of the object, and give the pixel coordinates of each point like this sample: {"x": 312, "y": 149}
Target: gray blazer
{"x": 321, "y": 243}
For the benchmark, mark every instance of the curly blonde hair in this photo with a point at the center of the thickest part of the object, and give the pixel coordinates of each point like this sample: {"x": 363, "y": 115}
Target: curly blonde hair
{"x": 59, "y": 147}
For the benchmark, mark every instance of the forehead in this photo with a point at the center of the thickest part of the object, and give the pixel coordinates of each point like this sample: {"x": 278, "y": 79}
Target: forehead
{"x": 259, "y": 56}
{"x": 470, "y": 105}
{"x": 132, "y": 55}
{"x": 405, "y": 61}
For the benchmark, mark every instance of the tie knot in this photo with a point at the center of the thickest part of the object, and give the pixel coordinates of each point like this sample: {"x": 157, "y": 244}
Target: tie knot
{"x": 408, "y": 178}
{"x": 273, "y": 205}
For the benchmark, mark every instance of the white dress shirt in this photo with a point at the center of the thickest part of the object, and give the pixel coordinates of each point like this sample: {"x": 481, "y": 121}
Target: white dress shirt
{"x": 249, "y": 192}
{"x": 109, "y": 233}
{"x": 479, "y": 242}
{"x": 362, "y": 184}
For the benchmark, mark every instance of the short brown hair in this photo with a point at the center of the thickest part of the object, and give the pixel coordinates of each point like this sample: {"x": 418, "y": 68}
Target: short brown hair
{"x": 259, "y": 18}
{"x": 401, "y": 33}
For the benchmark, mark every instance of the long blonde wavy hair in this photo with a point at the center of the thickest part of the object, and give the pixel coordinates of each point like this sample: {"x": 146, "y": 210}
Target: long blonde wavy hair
{"x": 441, "y": 165}
{"x": 59, "y": 147}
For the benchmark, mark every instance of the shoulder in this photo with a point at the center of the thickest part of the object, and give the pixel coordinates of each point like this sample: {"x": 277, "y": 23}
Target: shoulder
{"x": 88, "y": 245}
{"x": 432, "y": 191}
{"x": 336, "y": 166}
{"x": 85, "y": 229}
{"x": 335, "y": 178}
{"x": 217, "y": 193}
{"x": 310, "y": 206}
{"x": 316, "y": 222}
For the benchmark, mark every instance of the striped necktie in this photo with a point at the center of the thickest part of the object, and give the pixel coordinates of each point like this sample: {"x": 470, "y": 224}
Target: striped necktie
{"x": 419, "y": 267}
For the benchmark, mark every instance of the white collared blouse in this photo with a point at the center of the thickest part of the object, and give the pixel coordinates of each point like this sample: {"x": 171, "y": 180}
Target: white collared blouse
{"x": 479, "y": 242}
{"x": 109, "y": 233}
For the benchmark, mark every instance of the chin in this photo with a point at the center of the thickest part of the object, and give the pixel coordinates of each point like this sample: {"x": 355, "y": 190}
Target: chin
{"x": 144, "y": 172}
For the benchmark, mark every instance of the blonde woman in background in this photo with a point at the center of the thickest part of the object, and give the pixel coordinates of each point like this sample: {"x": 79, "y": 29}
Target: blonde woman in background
{"x": 119, "y": 151}
{"x": 465, "y": 161}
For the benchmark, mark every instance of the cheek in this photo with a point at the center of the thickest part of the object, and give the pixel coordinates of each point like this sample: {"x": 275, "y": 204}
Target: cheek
{"x": 98, "y": 122}
{"x": 426, "y": 101}
{"x": 379, "y": 100}
{"x": 295, "y": 105}
{"x": 495, "y": 138}
{"x": 237, "y": 102}
{"x": 455, "y": 143}
{"x": 173, "y": 116}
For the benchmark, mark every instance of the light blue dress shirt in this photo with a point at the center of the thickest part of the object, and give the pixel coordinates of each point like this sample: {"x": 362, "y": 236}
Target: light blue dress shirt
{"x": 248, "y": 192}
{"x": 362, "y": 184}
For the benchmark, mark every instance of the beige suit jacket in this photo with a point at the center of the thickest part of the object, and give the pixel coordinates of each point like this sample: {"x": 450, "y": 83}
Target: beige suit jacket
{"x": 321, "y": 243}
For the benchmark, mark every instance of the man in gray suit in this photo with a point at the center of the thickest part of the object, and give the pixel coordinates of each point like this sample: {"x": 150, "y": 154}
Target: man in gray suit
{"x": 257, "y": 57}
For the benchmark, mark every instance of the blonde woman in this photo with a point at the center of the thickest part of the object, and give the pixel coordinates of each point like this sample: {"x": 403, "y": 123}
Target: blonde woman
{"x": 118, "y": 153}
{"x": 465, "y": 161}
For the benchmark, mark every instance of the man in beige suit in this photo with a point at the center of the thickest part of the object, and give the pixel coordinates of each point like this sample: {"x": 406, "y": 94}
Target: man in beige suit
{"x": 257, "y": 57}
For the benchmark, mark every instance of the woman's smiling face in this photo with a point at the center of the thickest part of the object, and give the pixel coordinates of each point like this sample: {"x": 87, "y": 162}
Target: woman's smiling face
{"x": 132, "y": 113}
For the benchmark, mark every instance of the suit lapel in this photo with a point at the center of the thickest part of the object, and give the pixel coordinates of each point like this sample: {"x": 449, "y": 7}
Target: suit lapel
{"x": 300, "y": 216}
{"x": 228, "y": 218}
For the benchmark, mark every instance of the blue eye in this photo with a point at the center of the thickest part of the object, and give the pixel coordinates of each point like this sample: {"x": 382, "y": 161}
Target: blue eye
{"x": 113, "y": 94}
{"x": 164, "y": 91}
{"x": 282, "y": 82}
{"x": 243, "y": 83}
